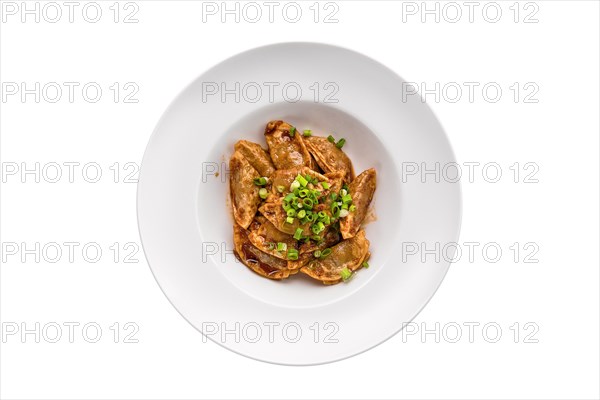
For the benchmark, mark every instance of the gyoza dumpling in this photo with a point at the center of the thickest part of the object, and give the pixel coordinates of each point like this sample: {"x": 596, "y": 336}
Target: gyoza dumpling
{"x": 329, "y": 157}
{"x": 244, "y": 193}
{"x": 272, "y": 209}
{"x": 262, "y": 263}
{"x": 361, "y": 189}
{"x": 287, "y": 150}
{"x": 307, "y": 250}
{"x": 264, "y": 236}
{"x": 349, "y": 254}
{"x": 256, "y": 156}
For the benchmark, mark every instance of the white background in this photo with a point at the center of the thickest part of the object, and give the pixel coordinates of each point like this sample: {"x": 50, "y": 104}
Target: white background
{"x": 168, "y": 47}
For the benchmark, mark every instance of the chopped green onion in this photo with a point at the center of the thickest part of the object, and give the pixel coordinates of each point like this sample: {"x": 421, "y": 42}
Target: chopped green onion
{"x": 281, "y": 246}
{"x": 289, "y": 220}
{"x": 263, "y": 193}
{"x": 298, "y": 234}
{"x": 295, "y": 185}
{"x": 343, "y": 192}
{"x": 308, "y": 203}
{"x": 292, "y": 131}
{"x": 335, "y": 210}
{"x": 345, "y": 273}
{"x": 365, "y": 264}
{"x": 340, "y": 143}
{"x": 344, "y": 213}
{"x": 325, "y": 253}
{"x": 345, "y": 187}
{"x": 271, "y": 245}
{"x": 352, "y": 208}
{"x": 292, "y": 254}
{"x": 327, "y": 220}
{"x": 303, "y": 192}
{"x": 307, "y": 132}
{"x": 321, "y": 215}
{"x": 310, "y": 217}
{"x": 344, "y": 206}
{"x": 347, "y": 199}
{"x": 280, "y": 189}
{"x": 333, "y": 196}
{"x": 325, "y": 185}
{"x": 302, "y": 180}
{"x": 289, "y": 197}
{"x": 317, "y": 253}
{"x": 317, "y": 238}
{"x": 301, "y": 214}
{"x": 331, "y": 139}
{"x": 262, "y": 181}
{"x": 291, "y": 212}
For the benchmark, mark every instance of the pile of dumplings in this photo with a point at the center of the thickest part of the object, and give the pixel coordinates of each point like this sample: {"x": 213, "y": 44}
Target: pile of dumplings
{"x": 298, "y": 206}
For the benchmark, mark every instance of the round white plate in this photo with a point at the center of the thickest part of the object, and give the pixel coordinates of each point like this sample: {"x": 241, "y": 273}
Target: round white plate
{"x": 186, "y": 227}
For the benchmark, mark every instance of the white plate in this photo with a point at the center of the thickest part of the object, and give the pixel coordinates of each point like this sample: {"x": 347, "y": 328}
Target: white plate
{"x": 186, "y": 227}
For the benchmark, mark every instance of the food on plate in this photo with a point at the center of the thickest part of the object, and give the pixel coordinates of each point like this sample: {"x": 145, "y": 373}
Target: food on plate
{"x": 298, "y": 207}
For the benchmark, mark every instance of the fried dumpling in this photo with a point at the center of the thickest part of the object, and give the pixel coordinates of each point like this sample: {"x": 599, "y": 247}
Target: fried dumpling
{"x": 361, "y": 189}
{"x": 286, "y": 150}
{"x": 244, "y": 193}
{"x": 349, "y": 254}
{"x": 285, "y": 177}
{"x": 307, "y": 250}
{"x": 256, "y": 156}
{"x": 264, "y": 236}
{"x": 274, "y": 212}
{"x": 329, "y": 157}
{"x": 262, "y": 263}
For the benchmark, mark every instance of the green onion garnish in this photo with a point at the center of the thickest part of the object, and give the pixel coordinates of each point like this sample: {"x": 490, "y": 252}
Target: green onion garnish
{"x": 347, "y": 199}
{"x": 298, "y": 234}
{"x": 303, "y": 192}
{"x": 343, "y": 213}
{"x": 345, "y": 273}
{"x": 301, "y": 214}
{"x": 292, "y": 254}
{"x": 289, "y": 197}
{"x": 331, "y": 139}
{"x": 262, "y": 181}
{"x": 327, "y": 220}
{"x": 308, "y": 203}
{"x": 263, "y": 193}
{"x": 302, "y": 180}
{"x": 340, "y": 143}
{"x": 333, "y": 196}
{"x": 307, "y": 132}
{"x": 291, "y": 212}
{"x": 317, "y": 253}
{"x": 325, "y": 185}
{"x": 295, "y": 185}
{"x": 280, "y": 189}
{"x": 271, "y": 245}
{"x": 281, "y": 246}
{"x": 292, "y": 131}
{"x": 365, "y": 264}
{"x": 325, "y": 253}
{"x": 352, "y": 208}
{"x": 289, "y": 220}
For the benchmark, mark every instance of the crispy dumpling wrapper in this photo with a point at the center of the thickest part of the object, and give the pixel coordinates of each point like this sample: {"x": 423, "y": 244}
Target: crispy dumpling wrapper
{"x": 349, "y": 253}
{"x": 257, "y": 157}
{"x": 244, "y": 193}
{"x": 361, "y": 189}
{"x": 262, "y": 263}
{"x": 329, "y": 157}
{"x": 264, "y": 236}
{"x": 286, "y": 151}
